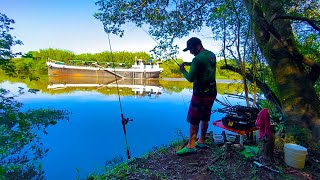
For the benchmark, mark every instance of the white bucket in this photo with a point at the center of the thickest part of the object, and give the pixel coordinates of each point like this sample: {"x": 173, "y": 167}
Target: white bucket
{"x": 231, "y": 137}
{"x": 218, "y": 139}
{"x": 295, "y": 155}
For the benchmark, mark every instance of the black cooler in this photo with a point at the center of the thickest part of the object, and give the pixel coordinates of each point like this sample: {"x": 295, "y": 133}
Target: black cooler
{"x": 240, "y": 117}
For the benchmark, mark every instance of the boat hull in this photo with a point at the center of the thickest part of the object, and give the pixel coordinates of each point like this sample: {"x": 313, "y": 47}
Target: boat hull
{"x": 98, "y": 81}
{"x": 138, "y": 86}
{"x": 65, "y": 70}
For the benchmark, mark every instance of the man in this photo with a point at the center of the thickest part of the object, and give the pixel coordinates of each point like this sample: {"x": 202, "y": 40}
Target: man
{"x": 203, "y": 75}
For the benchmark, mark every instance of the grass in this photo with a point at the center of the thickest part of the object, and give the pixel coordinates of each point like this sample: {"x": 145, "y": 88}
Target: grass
{"x": 117, "y": 169}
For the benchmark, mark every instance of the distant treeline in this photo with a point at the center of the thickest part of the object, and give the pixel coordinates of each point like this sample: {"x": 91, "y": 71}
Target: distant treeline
{"x": 34, "y": 62}
{"x": 171, "y": 70}
{"x": 66, "y": 56}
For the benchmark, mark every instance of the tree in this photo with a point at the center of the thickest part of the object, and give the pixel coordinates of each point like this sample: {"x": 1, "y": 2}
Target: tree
{"x": 6, "y": 39}
{"x": 20, "y": 146}
{"x": 278, "y": 28}
{"x": 6, "y": 42}
{"x": 294, "y": 73}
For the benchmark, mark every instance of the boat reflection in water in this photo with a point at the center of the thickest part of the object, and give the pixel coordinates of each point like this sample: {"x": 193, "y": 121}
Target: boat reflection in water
{"x": 139, "y": 87}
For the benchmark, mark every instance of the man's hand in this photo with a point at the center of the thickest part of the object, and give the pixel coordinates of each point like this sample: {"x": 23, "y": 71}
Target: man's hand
{"x": 187, "y": 63}
{"x": 181, "y": 66}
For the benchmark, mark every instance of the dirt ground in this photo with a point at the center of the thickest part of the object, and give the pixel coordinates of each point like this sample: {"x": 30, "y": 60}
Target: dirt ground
{"x": 165, "y": 164}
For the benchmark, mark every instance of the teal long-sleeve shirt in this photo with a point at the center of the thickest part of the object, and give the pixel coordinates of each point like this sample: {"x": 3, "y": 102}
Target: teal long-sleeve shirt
{"x": 203, "y": 69}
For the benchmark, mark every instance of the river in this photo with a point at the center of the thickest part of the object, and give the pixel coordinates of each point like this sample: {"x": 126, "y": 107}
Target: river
{"x": 94, "y": 133}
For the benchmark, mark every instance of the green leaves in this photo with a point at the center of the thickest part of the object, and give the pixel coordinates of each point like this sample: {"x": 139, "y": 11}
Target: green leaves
{"x": 6, "y": 39}
{"x": 166, "y": 20}
{"x": 20, "y": 146}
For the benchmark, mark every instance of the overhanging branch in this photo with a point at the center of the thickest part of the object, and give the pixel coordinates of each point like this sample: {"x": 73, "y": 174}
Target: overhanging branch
{"x": 269, "y": 94}
{"x": 295, "y": 54}
{"x": 202, "y": 5}
{"x": 315, "y": 69}
{"x": 311, "y": 22}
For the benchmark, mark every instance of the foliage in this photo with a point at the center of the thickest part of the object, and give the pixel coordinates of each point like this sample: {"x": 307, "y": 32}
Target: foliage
{"x": 164, "y": 24}
{"x": 304, "y": 8}
{"x": 20, "y": 147}
{"x": 34, "y": 62}
{"x": 310, "y": 46}
{"x": 228, "y": 20}
{"x": 113, "y": 171}
{"x": 32, "y": 65}
{"x": 17, "y": 67}
{"x": 170, "y": 20}
{"x": 289, "y": 43}
{"x": 7, "y": 41}
{"x": 127, "y": 58}
{"x": 225, "y": 74}
{"x": 306, "y": 38}
{"x": 170, "y": 69}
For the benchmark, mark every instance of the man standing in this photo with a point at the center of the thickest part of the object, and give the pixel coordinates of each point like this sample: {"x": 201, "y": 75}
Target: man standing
{"x": 203, "y": 76}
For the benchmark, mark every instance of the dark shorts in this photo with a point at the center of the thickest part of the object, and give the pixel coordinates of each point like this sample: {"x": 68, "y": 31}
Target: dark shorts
{"x": 200, "y": 109}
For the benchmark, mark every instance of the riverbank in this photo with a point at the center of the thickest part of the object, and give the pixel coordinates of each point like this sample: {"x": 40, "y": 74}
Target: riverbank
{"x": 213, "y": 162}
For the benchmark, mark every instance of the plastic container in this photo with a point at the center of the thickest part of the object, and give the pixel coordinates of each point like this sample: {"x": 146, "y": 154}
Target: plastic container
{"x": 295, "y": 155}
{"x": 218, "y": 139}
{"x": 230, "y": 137}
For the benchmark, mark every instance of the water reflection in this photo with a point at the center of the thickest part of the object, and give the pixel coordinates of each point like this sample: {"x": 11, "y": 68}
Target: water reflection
{"x": 94, "y": 133}
{"x": 139, "y": 87}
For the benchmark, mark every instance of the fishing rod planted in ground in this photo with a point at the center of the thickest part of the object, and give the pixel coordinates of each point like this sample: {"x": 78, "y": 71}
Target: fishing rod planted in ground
{"x": 124, "y": 120}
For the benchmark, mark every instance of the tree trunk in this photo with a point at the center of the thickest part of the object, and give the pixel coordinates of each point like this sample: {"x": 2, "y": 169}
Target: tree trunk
{"x": 267, "y": 147}
{"x": 300, "y": 103}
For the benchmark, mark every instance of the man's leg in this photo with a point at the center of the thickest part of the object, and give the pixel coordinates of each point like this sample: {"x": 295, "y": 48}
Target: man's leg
{"x": 193, "y": 135}
{"x": 190, "y": 148}
{"x": 203, "y": 131}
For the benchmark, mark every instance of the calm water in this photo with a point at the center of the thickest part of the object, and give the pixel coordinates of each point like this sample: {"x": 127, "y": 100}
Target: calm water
{"x": 94, "y": 132}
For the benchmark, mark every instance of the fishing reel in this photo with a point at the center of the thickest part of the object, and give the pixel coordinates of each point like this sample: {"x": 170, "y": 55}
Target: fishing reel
{"x": 125, "y": 120}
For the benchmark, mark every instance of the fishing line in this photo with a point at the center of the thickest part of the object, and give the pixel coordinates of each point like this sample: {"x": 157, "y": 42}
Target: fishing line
{"x": 159, "y": 45}
{"x": 171, "y": 58}
{"x": 124, "y": 120}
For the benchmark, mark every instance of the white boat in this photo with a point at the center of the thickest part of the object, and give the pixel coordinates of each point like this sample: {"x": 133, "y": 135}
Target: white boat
{"x": 138, "y": 70}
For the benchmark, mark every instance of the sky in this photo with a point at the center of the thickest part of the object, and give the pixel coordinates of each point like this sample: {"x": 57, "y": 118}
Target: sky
{"x": 70, "y": 25}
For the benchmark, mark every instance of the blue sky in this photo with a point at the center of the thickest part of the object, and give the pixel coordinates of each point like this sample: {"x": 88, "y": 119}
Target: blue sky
{"x": 70, "y": 25}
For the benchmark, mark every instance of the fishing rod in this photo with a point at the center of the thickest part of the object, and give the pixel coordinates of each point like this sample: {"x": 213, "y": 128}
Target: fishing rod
{"x": 159, "y": 44}
{"x": 124, "y": 120}
{"x": 166, "y": 54}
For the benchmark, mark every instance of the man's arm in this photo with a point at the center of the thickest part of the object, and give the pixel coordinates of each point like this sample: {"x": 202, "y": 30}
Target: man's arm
{"x": 192, "y": 73}
{"x": 187, "y": 63}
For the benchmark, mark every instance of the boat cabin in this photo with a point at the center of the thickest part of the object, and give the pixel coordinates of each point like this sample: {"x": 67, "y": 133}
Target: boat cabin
{"x": 140, "y": 64}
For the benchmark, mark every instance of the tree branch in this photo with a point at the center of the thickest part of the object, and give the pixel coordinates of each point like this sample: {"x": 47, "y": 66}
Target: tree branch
{"x": 315, "y": 68}
{"x": 269, "y": 94}
{"x": 311, "y": 22}
{"x": 194, "y": 10}
{"x": 294, "y": 53}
